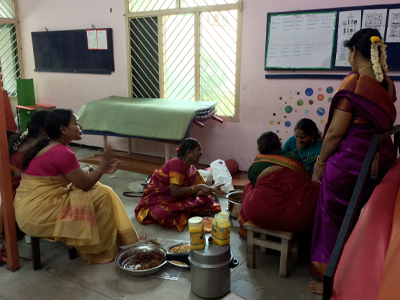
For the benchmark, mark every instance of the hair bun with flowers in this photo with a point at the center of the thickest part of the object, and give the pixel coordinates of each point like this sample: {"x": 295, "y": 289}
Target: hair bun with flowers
{"x": 378, "y": 61}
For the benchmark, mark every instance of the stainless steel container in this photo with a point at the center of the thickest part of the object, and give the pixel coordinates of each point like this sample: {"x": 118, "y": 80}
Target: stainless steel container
{"x": 234, "y": 203}
{"x": 211, "y": 276}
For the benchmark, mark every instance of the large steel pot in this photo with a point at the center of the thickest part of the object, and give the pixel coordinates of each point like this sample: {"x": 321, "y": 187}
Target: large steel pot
{"x": 211, "y": 276}
{"x": 234, "y": 203}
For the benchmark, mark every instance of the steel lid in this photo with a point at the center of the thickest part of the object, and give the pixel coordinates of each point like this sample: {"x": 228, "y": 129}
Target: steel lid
{"x": 212, "y": 254}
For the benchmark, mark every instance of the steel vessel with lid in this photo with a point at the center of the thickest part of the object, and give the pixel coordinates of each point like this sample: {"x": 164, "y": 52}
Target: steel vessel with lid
{"x": 210, "y": 270}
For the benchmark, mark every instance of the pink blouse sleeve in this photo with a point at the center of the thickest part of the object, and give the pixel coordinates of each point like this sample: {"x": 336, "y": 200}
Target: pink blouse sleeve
{"x": 65, "y": 160}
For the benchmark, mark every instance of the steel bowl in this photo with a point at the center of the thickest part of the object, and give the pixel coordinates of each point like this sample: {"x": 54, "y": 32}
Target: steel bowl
{"x": 234, "y": 203}
{"x": 128, "y": 254}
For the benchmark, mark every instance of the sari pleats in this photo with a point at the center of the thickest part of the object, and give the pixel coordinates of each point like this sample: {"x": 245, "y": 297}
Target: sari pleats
{"x": 94, "y": 222}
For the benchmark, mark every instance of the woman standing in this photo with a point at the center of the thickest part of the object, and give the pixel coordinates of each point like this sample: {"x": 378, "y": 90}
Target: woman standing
{"x": 362, "y": 107}
{"x": 306, "y": 142}
{"x": 177, "y": 190}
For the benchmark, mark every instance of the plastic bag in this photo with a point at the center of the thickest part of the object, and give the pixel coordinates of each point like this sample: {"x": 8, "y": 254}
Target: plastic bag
{"x": 221, "y": 175}
{"x": 207, "y": 175}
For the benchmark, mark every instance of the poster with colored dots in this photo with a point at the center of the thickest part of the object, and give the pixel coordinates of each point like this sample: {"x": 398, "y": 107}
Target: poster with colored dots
{"x": 310, "y": 102}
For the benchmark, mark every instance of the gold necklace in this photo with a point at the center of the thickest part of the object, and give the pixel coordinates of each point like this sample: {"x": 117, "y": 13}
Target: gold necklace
{"x": 308, "y": 154}
{"x": 364, "y": 68}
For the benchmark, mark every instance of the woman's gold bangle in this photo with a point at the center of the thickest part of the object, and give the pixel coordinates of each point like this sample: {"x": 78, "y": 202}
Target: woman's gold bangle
{"x": 90, "y": 168}
{"x": 320, "y": 163}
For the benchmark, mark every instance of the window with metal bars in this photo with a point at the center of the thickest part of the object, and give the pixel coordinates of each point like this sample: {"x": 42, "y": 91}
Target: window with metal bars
{"x": 9, "y": 57}
{"x": 186, "y": 50}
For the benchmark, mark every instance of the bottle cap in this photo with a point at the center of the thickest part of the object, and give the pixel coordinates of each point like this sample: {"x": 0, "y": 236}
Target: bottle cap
{"x": 195, "y": 221}
{"x": 223, "y": 215}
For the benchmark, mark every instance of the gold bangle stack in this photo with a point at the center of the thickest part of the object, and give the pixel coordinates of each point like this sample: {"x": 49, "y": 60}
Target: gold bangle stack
{"x": 320, "y": 163}
{"x": 90, "y": 168}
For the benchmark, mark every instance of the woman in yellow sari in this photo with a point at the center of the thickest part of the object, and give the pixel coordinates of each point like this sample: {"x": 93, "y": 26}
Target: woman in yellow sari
{"x": 59, "y": 201}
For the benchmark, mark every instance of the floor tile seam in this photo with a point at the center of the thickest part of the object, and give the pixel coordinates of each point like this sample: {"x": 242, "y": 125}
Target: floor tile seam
{"x": 77, "y": 283}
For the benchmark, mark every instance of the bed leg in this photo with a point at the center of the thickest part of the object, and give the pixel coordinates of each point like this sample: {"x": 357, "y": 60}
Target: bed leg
{"x": 167, "y": 153}
{"x": 105, "y": 142}
{"x": 129, "y": 146}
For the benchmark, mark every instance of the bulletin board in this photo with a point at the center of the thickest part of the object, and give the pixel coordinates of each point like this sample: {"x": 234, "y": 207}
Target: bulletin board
{"x": 313, "y": 39}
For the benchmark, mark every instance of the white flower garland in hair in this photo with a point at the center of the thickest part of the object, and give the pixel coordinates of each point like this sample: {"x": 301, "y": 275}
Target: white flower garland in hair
{"x": 378, "y": 63}
{"x": 20, "y": 140}
{"x": 383, "y": 57}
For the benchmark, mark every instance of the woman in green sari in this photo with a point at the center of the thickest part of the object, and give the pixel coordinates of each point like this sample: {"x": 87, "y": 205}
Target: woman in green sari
{"x": 306, "y": 143}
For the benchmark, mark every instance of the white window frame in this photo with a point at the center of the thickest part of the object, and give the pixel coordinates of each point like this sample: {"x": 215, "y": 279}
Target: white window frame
{"x": 196, "y": 11}
{"x": 15, "y": 22}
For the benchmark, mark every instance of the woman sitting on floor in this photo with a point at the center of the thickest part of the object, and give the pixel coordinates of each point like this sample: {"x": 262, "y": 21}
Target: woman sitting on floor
{"x": 177, "y": 190}
{"x": 306, "y": 142}
{"x": 59, "y": 201}
{"x": 280, "y": 194}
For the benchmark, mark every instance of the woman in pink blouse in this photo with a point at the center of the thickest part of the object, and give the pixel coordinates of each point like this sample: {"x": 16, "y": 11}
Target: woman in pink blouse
{"x": 59, "y": 201}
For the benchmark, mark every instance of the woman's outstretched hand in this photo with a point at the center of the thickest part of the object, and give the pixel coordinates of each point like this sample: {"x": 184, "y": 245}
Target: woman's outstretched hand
{"x": 217, "y": 189}
{"x": 109, "y": 163}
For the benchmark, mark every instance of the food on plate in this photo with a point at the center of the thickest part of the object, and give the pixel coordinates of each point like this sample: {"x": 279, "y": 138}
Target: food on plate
{"x": 180, "y": 248}
{"x": 175, "y": 262}
{"x": 145, "y": 261}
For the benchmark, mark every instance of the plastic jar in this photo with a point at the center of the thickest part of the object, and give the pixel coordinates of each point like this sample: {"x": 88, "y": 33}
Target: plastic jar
{"x": 221, "y": 228}
{"x": 196, "y": 230}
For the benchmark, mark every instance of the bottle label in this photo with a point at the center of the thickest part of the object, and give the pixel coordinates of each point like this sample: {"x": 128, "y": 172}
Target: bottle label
{"x": 197, "y": 238}
{"x": 221, "y": 234}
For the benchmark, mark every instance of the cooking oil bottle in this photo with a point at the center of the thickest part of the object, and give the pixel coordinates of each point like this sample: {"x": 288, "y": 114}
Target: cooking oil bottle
{"x": 221, "y": 228}
{"x": 196, "y": 230}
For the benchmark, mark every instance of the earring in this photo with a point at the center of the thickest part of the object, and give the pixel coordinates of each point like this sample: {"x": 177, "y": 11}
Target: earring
{"x": 190, "y": 156}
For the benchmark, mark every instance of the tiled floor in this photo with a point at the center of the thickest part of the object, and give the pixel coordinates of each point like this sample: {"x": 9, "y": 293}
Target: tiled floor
{"x": 61, "y": 278}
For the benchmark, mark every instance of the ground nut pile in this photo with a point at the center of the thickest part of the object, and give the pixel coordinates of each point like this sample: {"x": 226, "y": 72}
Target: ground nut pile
{"x": 180, "y": 248}
{"x": 145, "y": 261}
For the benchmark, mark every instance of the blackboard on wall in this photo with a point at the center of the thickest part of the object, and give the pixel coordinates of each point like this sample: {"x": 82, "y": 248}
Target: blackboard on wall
{"x": 393, "y": 48}
{"x": 67, "y": 51}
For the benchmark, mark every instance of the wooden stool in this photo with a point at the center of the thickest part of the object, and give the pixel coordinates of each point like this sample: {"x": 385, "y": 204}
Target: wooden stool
{"x": 287, "y": 246}
{"x": 36, "y": 259}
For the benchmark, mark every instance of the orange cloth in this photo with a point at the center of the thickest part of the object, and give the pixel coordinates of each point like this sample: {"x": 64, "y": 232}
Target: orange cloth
{"x": 370, "y": 262}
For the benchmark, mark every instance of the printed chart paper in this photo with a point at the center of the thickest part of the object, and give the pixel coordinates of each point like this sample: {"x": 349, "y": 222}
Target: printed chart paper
{"x": 301, "y": 41}
{"x": 393, "y": 29}
{"x": 349, "y": 23}
{"x": 97, "y": 39}
{"x": 375, "y": 18}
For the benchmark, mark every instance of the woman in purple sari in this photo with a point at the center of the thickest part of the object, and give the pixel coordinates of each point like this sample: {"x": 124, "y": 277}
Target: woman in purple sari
{"x": 362, "y": 107}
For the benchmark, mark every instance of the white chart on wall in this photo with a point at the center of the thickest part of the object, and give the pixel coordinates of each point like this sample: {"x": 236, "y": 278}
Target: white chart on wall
{"x": 349, "y": 23}
{"x": 375, "y": 18}
{"x": 301, "y": 41}
{"x": 393, "y": 29}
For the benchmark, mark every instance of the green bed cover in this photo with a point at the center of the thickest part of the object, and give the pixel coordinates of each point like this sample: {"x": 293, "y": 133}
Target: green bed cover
{"x": 150, "y": 118}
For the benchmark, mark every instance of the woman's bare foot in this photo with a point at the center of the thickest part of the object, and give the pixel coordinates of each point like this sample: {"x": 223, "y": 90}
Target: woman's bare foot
{"x": 316, "y": 287}
{"x": 142, "y": 237}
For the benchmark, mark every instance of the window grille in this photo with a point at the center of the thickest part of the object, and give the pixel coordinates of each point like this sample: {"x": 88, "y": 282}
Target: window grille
{"x": 186, "y": 50}
{"x": 9, "y": 52}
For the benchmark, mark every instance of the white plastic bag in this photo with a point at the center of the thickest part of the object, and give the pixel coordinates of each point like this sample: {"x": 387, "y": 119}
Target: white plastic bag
{"x": 221, "y": 175}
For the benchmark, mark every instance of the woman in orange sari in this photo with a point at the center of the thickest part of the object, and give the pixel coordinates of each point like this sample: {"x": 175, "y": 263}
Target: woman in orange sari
{"x": 280, "y": 194}
{"x": 177, "y": 190}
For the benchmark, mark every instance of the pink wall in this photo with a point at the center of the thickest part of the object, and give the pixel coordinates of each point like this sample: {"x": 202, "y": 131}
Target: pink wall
{"x": 259, "y": 99}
